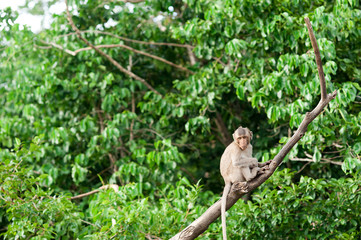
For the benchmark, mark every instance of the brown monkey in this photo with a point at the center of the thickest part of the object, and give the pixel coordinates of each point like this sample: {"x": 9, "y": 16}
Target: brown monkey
{"x": 237, "y": 165}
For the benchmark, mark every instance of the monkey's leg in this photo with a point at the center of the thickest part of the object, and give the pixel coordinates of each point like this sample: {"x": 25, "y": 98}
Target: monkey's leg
{"x": 246, "y": 172}
{"x": 254, "y": 172}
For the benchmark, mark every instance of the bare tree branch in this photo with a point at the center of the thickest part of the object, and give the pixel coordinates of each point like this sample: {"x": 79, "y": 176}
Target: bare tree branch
{"x": 201, "y": 224}
{"x": 136, "y": 51}
{"x": 323, "y": 160}
{"x": 321, "y": 75}
{"x": 115, "y": 63}
{"x": 303, "y": 167}
{"x": 115, "y": 187}
{"x": 131, "y": 40}
{"x": 59, "y": 47}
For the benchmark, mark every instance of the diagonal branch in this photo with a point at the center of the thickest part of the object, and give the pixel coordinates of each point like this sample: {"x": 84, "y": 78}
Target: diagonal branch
{"x": 74, "y": 53}
{"x": 139, "y": 52}
{"x": 115, "y": 63}
{"x": 201, "y": 224}
{"x": 321, "y": 75}
{"x": 115, "y": 187}
{"x": 131, "y": 40}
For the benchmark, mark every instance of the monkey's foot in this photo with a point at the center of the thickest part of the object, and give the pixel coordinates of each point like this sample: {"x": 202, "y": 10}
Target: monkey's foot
{"x": 262, "y": 170}
{"x": 240, "y": 186}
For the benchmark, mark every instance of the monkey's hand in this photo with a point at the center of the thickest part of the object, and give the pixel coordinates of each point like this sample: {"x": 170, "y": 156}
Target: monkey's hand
{"x": 265, "y": 163}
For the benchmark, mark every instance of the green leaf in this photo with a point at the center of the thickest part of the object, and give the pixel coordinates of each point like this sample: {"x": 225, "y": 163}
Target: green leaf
{"x": 316, "y": 155}
{"x": 235, "y": 46}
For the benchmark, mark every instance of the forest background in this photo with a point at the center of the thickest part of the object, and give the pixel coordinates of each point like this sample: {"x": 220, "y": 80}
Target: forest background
{"x": 154, "y": 114}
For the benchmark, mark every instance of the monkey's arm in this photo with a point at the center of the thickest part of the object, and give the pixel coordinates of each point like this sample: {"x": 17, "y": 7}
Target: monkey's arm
{"x": 245, "y": 162}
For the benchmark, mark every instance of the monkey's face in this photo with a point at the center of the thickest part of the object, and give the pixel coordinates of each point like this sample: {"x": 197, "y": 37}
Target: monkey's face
{"x": 242, "y": 141}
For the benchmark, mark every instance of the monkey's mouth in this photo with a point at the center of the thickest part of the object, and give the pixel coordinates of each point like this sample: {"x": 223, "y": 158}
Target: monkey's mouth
{"x": 242, "y": 146}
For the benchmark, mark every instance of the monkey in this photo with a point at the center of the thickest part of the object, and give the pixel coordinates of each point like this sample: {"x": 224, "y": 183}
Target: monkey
{"x": 237, "y": 165}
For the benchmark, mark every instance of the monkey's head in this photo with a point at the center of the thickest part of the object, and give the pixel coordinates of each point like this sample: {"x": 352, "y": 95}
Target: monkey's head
{"x": 242, "y": 137}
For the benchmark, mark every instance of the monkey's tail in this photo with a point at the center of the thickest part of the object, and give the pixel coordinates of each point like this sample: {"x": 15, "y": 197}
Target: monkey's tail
{"x": 226, "y": 190}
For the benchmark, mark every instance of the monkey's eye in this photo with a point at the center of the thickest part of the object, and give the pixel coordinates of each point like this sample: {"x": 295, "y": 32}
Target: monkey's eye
{"x": 242, "y": 137}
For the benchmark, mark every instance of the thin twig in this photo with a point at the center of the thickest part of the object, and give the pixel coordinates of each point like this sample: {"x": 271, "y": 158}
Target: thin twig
{"x": 219, "y": 60}
{"x": 100, "y": 173}
{"x": 84, "y": 194}
{"x": 322, "y": 160}
{"x": 42, "y": 47}
{"x": 303, "y": 167}
{"x": 73, "y": 53}
{"x": 136, "y": 51}
{"x": 89, "y": 223}
{"x": 115, "y": 187}
{"x": 59, "y": 47}
{"x": 131, "y": 40}
{"x": 150, "y": 130}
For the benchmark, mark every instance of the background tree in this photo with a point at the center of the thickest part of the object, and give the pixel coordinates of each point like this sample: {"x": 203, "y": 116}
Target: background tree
{"x": 212, "y": 65}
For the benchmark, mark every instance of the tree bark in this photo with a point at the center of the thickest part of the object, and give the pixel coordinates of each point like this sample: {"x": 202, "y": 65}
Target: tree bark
{"x": 201, "y": 224}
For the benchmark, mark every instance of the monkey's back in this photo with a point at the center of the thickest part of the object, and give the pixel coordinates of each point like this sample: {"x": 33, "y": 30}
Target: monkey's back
{"x": 230, "y": 173}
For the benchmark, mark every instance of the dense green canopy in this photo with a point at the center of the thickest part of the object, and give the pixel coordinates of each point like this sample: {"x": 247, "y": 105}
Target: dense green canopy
{"x": 189, "y": 73}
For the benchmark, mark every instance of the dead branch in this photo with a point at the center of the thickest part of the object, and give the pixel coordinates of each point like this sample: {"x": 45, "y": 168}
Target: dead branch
{"x": 201, "y": 224}
{"x": 136, "y": 51}
{"x": 59, "y": 47}
{"x": 321, "y": 75}
{"x": 89, "y": 223}
{"x": 303, "y": 167}
{"x": 41, "y": 47}
{"x": 323, "y": 160}
{"x": 115, "y": 63}
{"x": 115, "y": 187}
{"x": 131, "y": 40}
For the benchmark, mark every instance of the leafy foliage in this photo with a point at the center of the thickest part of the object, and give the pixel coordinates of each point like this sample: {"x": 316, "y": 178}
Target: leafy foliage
{"x": 250, "y": 63}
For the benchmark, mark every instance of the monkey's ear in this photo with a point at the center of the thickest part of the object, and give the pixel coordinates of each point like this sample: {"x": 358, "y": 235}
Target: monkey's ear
{"x": 250, "y": 134}
{"x": 233, "y": 136}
